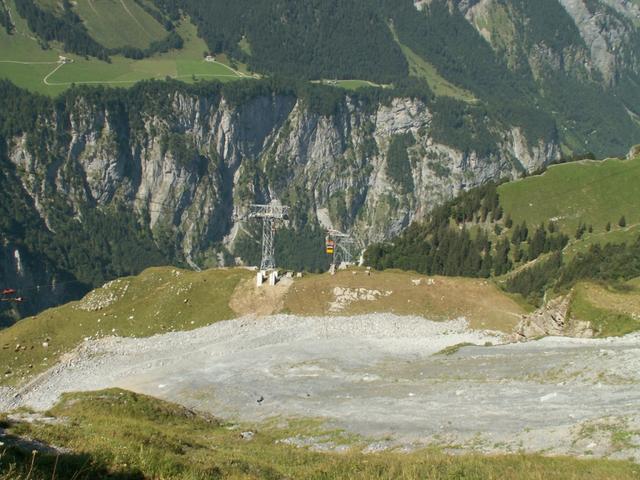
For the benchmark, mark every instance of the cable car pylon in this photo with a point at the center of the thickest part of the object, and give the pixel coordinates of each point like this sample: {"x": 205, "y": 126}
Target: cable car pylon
{"x": 340, "y": 246}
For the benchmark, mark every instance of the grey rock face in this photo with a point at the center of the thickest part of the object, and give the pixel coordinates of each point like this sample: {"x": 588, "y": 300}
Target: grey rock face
{"x": 553, "y": 319}
{"x": 188, "y": 170}
{"x": 607, "y": 27}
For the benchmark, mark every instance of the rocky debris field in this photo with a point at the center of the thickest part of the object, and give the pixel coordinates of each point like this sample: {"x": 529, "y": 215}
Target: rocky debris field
{"x": 397, "y": 382}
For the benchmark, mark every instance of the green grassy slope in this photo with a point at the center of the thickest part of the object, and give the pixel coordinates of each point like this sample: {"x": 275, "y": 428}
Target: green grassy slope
{"x": 20, "y": 54}
{"x": 119, "y": 23}
{"x": 158, "y": 300}
{"x": 419, "y": 67}
{"x": 590, "y": 192}
{"x": 611, "y": 310}
{"x": 129, "y": 436}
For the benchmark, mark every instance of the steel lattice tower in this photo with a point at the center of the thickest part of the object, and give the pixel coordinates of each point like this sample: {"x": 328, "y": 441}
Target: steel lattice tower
{"x": 270, "y": 214}
{"x": 344, "y": 245}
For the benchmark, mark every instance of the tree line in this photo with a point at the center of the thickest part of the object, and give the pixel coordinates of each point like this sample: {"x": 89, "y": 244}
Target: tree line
{"x": 455, "y": 241}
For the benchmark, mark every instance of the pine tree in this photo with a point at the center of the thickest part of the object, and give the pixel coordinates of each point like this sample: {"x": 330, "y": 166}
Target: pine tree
{"x": 508, "y": 222}
{"x": 502, "y": 264}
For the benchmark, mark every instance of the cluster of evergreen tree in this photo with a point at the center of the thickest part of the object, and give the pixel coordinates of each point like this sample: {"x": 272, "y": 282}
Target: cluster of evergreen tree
{"x": 311, "y": 39}
{"x": 398, "y": 162}
{"x": 165, "y": 13}
{"x": 542, "y": 240}
{"x": 447, "y": 251}
{"x": 609, "y": 263}
{"x": 444, "y": 244}
{"x": 5, "y": 19}
{"x": 173, "y": 41}
{"x": 534, "y": 281}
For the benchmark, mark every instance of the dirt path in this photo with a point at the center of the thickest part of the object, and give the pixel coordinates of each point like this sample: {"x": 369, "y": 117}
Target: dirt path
{"x": 248, "y": 299}
{"x": 46, "y": 78}
{"x": 379, "y": 376}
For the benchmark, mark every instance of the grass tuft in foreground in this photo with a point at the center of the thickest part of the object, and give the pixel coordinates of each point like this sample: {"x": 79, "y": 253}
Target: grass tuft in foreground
{"x": 122, "y": 435}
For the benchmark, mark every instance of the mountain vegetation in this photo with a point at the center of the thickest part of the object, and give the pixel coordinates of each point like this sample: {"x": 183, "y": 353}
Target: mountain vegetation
{"x": 527, "y": 64}
{"x": 526, "y": 72}
{"x": 68, "y": 28}
{"x": 106, "y": 429}
{"x": 486, "y": 232}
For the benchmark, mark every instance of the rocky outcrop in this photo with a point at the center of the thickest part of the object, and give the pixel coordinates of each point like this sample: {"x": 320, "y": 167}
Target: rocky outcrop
{"x": 607, "y": 30}
{"x": 552, "y": 319}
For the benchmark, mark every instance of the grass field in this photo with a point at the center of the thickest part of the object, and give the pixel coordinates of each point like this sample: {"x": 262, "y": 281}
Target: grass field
{"x": 119, "y": 23}
{"x": 611, "y": 310}
{"x": 435, "y": 298}
{"x": 419, "y": 67}
{"x": 131, "y": 436}
{"x": 158, "y": 300}
{"x": 590, "y": 192}
{"x": 186, "y": 64}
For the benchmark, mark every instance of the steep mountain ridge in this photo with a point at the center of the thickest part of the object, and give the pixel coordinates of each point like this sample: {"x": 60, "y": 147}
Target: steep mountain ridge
{"x": 182, "y": 161}
{"x": 599, "y": 37}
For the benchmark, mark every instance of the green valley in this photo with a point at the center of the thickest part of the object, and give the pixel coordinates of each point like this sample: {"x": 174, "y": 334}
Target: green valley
{"x": 25, "y": 63}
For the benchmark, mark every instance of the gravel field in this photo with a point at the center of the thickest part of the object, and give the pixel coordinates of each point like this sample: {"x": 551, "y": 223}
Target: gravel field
{"x": 379, "y": 376}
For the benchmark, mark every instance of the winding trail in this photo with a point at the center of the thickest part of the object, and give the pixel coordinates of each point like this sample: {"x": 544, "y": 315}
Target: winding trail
{"x": 46, "y": 78}
{"x": 29, "y": 63}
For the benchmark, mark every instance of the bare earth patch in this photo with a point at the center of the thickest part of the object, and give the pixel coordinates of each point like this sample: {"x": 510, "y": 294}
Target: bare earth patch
{"x": 248, "y": 299}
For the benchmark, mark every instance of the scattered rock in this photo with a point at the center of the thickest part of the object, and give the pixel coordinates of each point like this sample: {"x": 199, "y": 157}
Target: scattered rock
{"x": 552, "y": 319}
{"x": 102, "y": 298}
{"x": 248, "y": 436}
{"x": 344, "y": 296}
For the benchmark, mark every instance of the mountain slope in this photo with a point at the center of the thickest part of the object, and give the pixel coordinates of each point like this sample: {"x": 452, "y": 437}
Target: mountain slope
{"x": 538, "y": 236}
{"x": 199, "y": 446}
{"x": 169, "y": 165}
{"x": 575, "y": 60}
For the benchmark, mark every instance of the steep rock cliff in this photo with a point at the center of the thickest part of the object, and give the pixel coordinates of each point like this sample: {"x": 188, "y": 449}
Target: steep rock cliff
{"x": 188, "y": 167}
{"x": 190, "y": 170}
